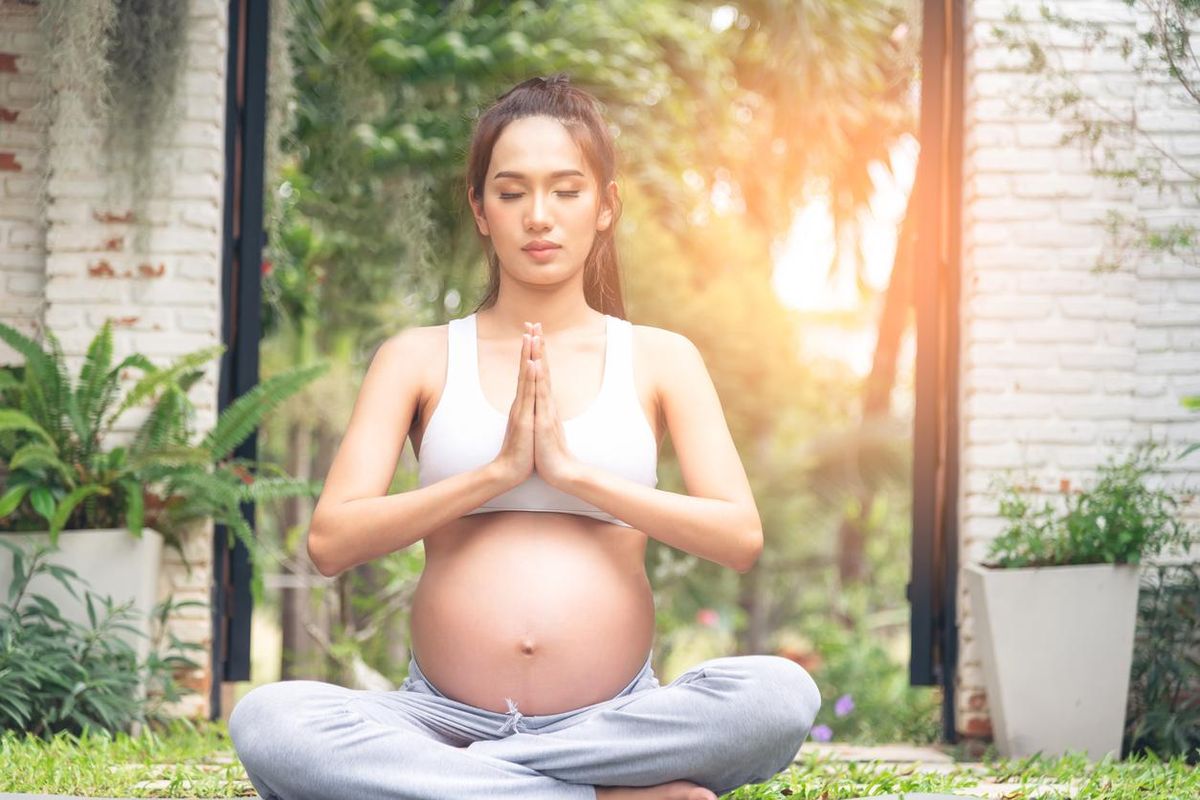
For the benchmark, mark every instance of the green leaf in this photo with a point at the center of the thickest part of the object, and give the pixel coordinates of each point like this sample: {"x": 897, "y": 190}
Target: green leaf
{"x": 61, "y": 574}
{"x": 134, "y": 506}
{"x": 95, "y": 372}
{"x": 46, "y": 606}
{"x": 8, "y": 380}
{"x": 63, "y": 512}
{"x": 42, "y": 500}
{"x": 168, "y": 457}
{"x": 265, "y": 489}
{"x": 11, "y": 499}
{"x": 13, "y": 420}
{"x": 38, "y": 454}
{"x": 242, "y": 416}
{"x": 157, "y": 377}
{"x": 18, "y": 583}
{"x": 35, "y": 357}
{"x": 165, "y": 425}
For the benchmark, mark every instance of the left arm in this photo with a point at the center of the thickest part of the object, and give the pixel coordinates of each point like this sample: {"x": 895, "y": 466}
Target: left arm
{"x": 717, "y": 519}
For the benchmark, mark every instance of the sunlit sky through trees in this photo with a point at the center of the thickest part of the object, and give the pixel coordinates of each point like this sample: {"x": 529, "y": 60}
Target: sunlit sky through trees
{"x": 843, "y": 324}
{"x": 802, "y": 264}
{"x": 802, "y": 267}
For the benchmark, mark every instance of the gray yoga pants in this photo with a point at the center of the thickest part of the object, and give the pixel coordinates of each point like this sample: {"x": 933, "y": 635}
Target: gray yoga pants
{"x": 724, "y": 723}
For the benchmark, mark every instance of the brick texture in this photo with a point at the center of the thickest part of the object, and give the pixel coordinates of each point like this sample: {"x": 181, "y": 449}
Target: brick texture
{"x": 69, "y": 266}
{"x": 22, "y": 233}
{"x": 1061, "y": 367}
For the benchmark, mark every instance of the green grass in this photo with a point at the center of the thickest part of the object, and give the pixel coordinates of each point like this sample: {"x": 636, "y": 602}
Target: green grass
{"x": 194, "y": 760}
{"x": 197, "y": 760}
{"x": 1074, "y": 777}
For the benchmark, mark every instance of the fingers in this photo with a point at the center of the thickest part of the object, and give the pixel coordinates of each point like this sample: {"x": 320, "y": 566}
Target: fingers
{"x": 542, "y": 389}
{"x": 539, "y": 353}
{"x": 531, "y": 381}
{"x": 523, "y": 376}
{"x": 534, "y": 373}
{"x": 539, "y": 347}
{"x": 528, "y": 383}
{"x": 523, "y": 372}
{"x": 543, "y": 365}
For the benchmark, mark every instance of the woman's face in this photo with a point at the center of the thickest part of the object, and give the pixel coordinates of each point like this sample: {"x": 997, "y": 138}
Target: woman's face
{"x": 539, "y": 187}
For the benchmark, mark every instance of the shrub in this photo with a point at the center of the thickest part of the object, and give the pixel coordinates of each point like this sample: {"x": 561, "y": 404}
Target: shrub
{"x": 1164, "y": 690}
{"x": 865, "y": 693}
{"x": 58, "y": 675}
{"x": 1118, "y": 521}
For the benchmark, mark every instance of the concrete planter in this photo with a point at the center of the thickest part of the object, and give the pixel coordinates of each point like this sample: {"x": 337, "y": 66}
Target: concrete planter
{"x": 1057, "y": 647}
{"x": 111, "y": 562}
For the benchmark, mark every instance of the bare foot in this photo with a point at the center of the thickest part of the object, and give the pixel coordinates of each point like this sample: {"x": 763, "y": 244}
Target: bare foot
{"x": 675, "y": 790}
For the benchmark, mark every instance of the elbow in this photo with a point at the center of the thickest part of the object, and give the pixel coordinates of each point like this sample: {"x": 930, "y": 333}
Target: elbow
{"x": 751, "y": 550}
{"x": 316, "y": 553}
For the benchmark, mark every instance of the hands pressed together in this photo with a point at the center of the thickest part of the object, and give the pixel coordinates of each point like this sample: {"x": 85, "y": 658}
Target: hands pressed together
{"x": 534, "y": 439}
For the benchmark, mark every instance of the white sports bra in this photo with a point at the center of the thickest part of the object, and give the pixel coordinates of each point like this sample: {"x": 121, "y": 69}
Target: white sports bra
{"x": 466, "y": 430}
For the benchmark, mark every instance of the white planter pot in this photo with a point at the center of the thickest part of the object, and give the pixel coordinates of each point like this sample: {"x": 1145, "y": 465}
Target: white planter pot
{"x": 1057, "y": 648}
{"x": 110, "y": 562}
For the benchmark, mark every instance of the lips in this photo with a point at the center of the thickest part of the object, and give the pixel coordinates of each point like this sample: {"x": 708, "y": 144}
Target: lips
{"x": 541, "y": 246}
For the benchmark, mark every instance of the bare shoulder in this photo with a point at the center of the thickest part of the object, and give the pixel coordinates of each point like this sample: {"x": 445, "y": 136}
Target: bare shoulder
{"x": 674, "y": 368}
{"x": 421, "y": 349}
{"x": 664, "y": 348}
{"x": 406, "y": 348}
{"x": 415, "y": 336}
{"x": 390, "y": 393}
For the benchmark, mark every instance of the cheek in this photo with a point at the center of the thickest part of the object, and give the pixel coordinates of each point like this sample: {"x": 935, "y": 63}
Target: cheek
{"x": 500, "y": 217}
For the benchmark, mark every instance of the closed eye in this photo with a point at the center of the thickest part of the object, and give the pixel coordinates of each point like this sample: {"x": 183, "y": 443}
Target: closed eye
{"x": 515, "y": 195}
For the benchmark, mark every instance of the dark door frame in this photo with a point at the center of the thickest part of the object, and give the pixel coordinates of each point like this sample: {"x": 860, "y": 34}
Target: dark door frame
{"x": 241, "y": 296}
{"x": 937, "y": 201}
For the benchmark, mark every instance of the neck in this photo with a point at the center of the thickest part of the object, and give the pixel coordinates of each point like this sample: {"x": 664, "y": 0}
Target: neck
{"x": 561, "y": 313}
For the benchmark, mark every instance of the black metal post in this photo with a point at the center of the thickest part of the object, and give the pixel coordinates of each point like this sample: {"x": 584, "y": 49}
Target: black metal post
{"x": 937, "y": 202}
{"x": 245, "y": 126}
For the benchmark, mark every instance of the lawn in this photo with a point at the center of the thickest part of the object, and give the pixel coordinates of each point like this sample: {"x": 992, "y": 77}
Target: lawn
{"x": 197, "y": 761}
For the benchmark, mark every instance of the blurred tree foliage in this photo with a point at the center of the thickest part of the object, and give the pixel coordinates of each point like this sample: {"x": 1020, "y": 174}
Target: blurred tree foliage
{"x": 386, "y": 94}
{"x": 724, "y": 131}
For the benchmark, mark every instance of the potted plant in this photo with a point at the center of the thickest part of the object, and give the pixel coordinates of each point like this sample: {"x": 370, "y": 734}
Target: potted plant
{"x": 1055, "y": 607}
{"x": 58, "y": 675}
{"x": 108, "y": 511}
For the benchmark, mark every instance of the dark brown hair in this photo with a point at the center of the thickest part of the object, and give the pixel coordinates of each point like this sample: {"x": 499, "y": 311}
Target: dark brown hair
{"x": 580, "y": 112}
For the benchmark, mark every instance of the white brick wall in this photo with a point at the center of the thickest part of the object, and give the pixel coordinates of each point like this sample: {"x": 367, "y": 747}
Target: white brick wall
{"x": 22, "y": 233}
{"x": 1060, "y": 367}
{"x": 71, "y": 266}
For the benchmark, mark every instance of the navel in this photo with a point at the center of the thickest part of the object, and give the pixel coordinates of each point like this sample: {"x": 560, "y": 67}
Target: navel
{"x": 527, "y": 647}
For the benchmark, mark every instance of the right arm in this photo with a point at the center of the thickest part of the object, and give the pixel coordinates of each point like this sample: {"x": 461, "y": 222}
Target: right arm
{"x": 355, "y": 520}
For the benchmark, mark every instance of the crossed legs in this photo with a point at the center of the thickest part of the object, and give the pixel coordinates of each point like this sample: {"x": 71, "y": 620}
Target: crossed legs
{"x": 722, "y": 724}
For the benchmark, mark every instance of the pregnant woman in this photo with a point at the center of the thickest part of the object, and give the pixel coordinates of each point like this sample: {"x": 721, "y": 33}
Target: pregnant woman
{"x": 536, "y": 421}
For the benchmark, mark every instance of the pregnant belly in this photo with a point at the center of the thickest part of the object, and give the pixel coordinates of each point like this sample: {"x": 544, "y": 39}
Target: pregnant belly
{"x": 551, "y": 610}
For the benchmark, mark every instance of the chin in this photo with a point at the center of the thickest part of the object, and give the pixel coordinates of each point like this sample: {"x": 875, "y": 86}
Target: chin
{"x": 528, "y": 267}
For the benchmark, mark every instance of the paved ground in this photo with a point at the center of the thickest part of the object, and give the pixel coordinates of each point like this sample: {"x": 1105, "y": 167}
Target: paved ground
{"x": 928, "y": 759}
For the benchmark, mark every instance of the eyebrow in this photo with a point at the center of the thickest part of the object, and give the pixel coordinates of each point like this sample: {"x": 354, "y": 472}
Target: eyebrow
{"x": 562, "y": 173}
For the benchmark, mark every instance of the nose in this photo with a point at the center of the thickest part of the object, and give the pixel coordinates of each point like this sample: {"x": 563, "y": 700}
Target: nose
{"x": 537, "y": 218}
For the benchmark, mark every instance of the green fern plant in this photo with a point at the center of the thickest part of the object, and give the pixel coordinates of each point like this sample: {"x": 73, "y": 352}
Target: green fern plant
{"x": 56, "y": 474}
